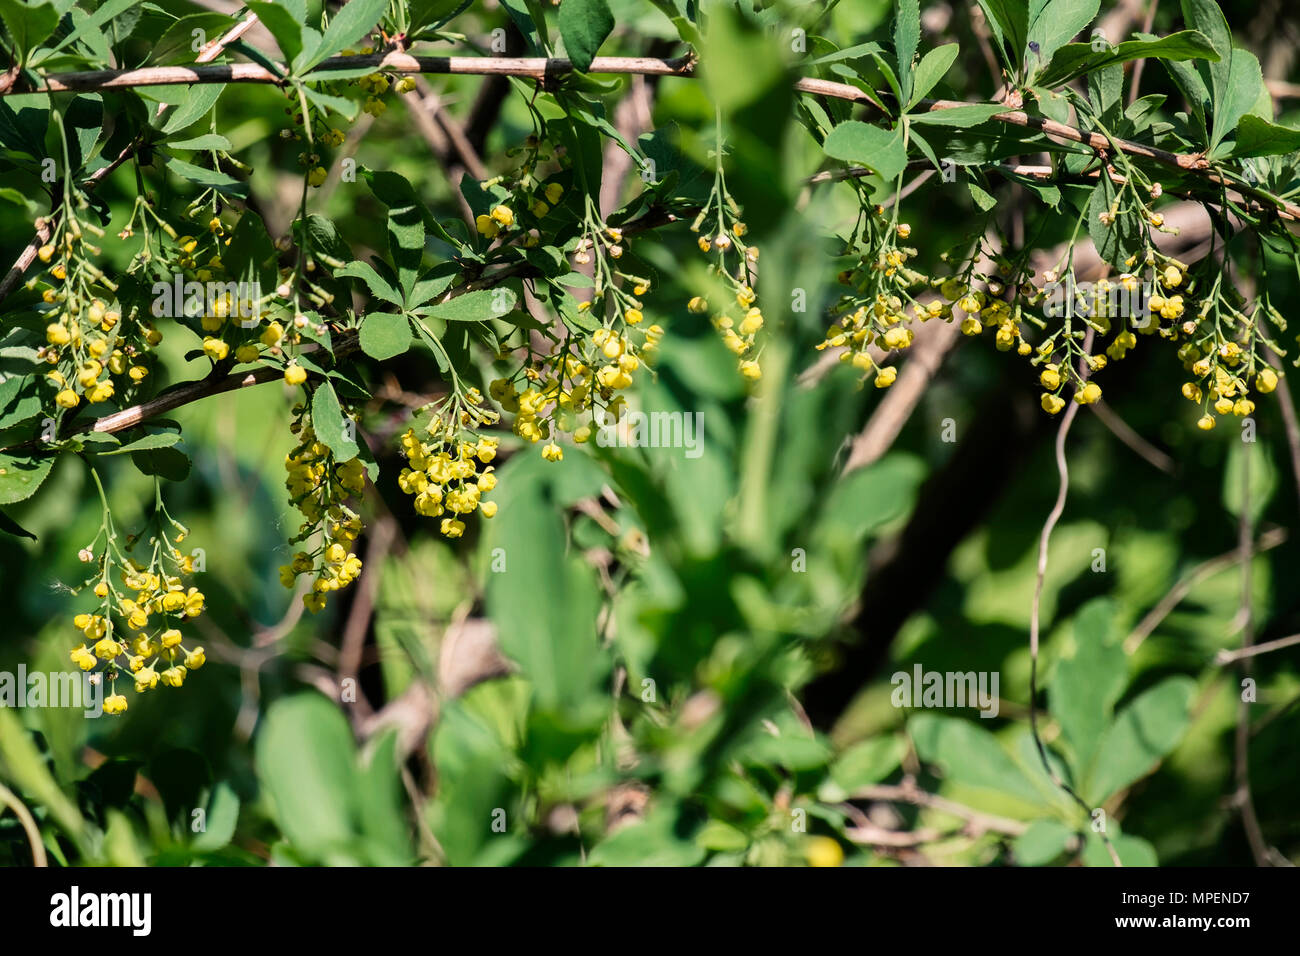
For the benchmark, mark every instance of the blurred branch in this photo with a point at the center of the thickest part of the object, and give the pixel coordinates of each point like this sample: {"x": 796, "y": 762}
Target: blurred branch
{"x": 1266, "y": 541}
{"x": 9, "y": 799}
{"x": 1253, "y": 650}
{"x": 908, "y": 792}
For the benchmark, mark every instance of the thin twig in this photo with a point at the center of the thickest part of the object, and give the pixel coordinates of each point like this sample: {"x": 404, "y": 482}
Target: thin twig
{"x": 1254, "y": 650}
{"x": 9, "y": 799}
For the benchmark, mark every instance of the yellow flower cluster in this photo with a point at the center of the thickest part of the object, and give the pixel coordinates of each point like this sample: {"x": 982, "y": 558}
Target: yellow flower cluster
{"x": 318, "y": 487}
{"x": 568, "y": 389}
{"x": 739, "y": 335}
{"x": 448, "y": 476}
{"x": 147, "y": 654}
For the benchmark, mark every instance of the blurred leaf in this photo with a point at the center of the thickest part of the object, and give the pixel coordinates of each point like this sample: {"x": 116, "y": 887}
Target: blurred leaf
{"x": 1142, "y": 734}
{"x": 1043, "y": 842}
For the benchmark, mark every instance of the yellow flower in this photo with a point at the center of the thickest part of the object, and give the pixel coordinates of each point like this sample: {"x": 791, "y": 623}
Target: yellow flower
{"x": 1052, "y": 403}
{"x": 195, "y": 659}
{"x": 170, "y": 637}
{"x": 885, "y": 377}
{"x": 504, "y": 215}
{"x": 1266, "y": 381}
{"x": 823, "y": 851}
{"x": 82, "y": 658}
{"x": 486, "y": 226}
{"x": 488, "y": 509}
{"x": 553, "y": 192}
{"x": 1089, "y": 394}
{"x": 1050, "y": 378}
{"x": 114, "y": 704}
{"x": 295, "y": 374}
{"x": 145, "y": 679}
{"x": 1205, "y": 422}
{"x": 553, "y": 452}
{"x": 697, "y": 305}
{"x": 751, "y": 370}
{"x": 174, "y": 676}
{"x": 215, "y": 349}
{"x": 317, "y": 176}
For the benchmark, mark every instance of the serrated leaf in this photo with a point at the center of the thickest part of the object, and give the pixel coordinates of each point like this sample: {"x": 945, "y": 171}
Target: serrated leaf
{"x": 349, "y": 25}
{"x": 379, "y": 287}
{"x": 21, "y": 477}
{"x": 28, "y": 23}
{"x": 1075, "y": 59}
{"x": 478, "y": 306}
{"x": 932, "y": 68}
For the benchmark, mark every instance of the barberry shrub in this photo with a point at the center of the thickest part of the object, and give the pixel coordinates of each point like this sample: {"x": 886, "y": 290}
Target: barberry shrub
{"x": 414, "y": 366}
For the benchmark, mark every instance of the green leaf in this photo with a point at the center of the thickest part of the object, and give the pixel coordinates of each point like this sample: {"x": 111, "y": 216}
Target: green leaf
{"x": 1256, "y": 136}
{"x": 434, "y": 13}
{"x": 379, "y": 287}
{"x": 20, "y": 477}
{"x": 169, "y": 463}
{"x": 1043, "y": 842}
{"x": 283, "y": 26}
{"x": 207, "y": 177}
{"x": 1244, "y": 87}
{"x": 20, "y": 400}
{"x": 1086, "y": 686}
{"x": 1009, "y": 20}
{"x": 349, "y": 25}
{"x": 327, "y": 421}
{"x": 545, "y": 602}
{"x": 1075, "y": 59}
{"x": 95, "y": 22}
{"x": 147, "y": 442}
{"x": 971, "y": 114}
{"x": 304, "y": 759}
{"x": 1054, "y": 23}
{"x": 1142, "y": 734}
{"x": 28, "y": 23}
{"x": 199, "y": 99}
{"x": 970, "y": 755}
{"x": 868, "y": 762}
{"x": 220, "y": 819}
{"x": 1248, "y": 460}
{"x": 384, "y": 335}
{"x": 654, "y": 841}
{"x": 478, "y": 306}
{"x": 932, "y": 68}
{"x": 907, "y": 36}
{"x": 1132, "y": 851}
{"x": 206, "y": 141}
{"x": 879, "y": 149}
{"x": 984, "y": 200}
{"x": 584, "y": 26}
{"x": 9, "y": 526}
